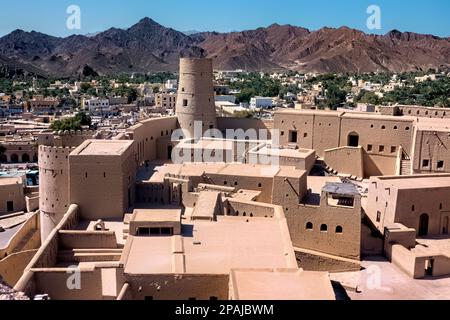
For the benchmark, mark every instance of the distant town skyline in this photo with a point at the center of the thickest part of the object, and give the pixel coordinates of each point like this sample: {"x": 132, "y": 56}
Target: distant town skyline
{"x": 50, "y": 16}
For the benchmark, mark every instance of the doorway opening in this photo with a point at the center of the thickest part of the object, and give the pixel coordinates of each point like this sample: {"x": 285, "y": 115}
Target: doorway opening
{"x": 445, "y": 227}
{"x": 10, "y": 206}
{"x": 423, "y": 225}
{"x": 353, "y": 139}
{"x": 429, "y": 264}
{"x": 169, "y": 152}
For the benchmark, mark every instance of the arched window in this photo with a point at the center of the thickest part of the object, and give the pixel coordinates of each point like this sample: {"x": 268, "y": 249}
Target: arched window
{"x": 324, "y": 228}
{"x": 25, "y": 157}
{"x": 14, "y": 158}
{"x": 339, "y": 229}
{"x": 309, "y": 226}
{"x": 353, "y": 139}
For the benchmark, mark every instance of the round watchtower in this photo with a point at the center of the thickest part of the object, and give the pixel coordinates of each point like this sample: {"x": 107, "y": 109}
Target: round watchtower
{"x": 195, "y": 101}
{"x": 53, "y": 186}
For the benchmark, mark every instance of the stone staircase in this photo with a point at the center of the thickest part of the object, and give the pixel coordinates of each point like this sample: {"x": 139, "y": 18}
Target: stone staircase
{"x": 405, "y": 167}
{"x": 33, "y": 236}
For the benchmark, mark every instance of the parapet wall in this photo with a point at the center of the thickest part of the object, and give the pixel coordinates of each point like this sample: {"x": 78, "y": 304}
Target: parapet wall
{"x": 27, "y": 228}
{"x": 47, "y": 253}
{"x": 251, "y": 209}
{"x": 71, "y": 239}
{"x": 224, "y": 123}
{"x": 64, "y": 138}
{"x": 11, "y": 267}
{"x": 147, "y": 133}
{"x": 346, "y": 160}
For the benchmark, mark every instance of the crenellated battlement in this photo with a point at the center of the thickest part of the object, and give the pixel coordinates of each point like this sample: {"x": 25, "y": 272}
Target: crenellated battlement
{"x": 66, "y": 138}
{"x": 56, "y": 149}
{"x": 74, "y": 133}
{"x": 54, "y": 158}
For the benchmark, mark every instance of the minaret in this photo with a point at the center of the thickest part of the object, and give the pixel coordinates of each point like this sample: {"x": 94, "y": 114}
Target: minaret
{"x": 195, "y": 101}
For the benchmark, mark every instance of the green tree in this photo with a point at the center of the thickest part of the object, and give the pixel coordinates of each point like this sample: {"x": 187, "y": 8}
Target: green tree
{"x": 73, "y": 123}
{"x": 83, "y": 118}
{"x": 368, "y": 97}
{"x": 334, "y": 97}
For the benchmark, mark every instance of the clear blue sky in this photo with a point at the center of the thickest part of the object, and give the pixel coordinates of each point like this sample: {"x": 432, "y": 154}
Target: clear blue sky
{"x": 49, "y": 16}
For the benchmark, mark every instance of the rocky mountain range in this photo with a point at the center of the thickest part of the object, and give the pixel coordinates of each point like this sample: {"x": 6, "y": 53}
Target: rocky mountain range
{"x": 150, "y": 47}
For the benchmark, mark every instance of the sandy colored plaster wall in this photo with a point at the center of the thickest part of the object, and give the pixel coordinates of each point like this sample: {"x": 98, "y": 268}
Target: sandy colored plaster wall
{"x": 263, "y": 184}
{"x": 379, "y": 165}
{"x": 245, "y": 124}
{"x": 379, "y": 132}
{"x": 250, "y": 209}
{"x": 407, "y": 261}
{"x": 155, "y": 193}
{"x": 54, "y": 283}
{"x": 64, "y": 139}
{"x": 390, "y": 205}
{"x": 380, "y": 138}
{"x": 146, "y": 134}
{"x": 381, "y": 204}
{"x": 414, "y": 266}
{"x": 344, "y": 244}
{"x": 25, "y": 232}
{"x": 431, "y": 147}
{"x": 14, "y": 193}
{"x": 371, "y": 242}
{"x": 346, "y": 160}
{"x": 417, "y": 111}
{"x": 163, "y": 147}
{"x": 103, "y": 186}
{"x": 195, "y": 100}
{"x": 441, "y": 266}
{"x": 179, "y": 287}
{"x": 32, "y": 203}
{"x": 433, "y": 202}
{"x": 89, "y": 178}
{"x": 318, "y": 262}
{"x": 53, "y": 186}
{"x": 70, "y": 239}
{"x": 287, "y": 192}
{"x": 12, "y": 267}
{"x": 48, "y": 251}
{"x": 326, "y": 133}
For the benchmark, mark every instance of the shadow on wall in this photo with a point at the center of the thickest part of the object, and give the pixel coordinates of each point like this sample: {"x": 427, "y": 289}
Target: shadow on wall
{"x": 11, "y": 267}
{"x": 370, "y": 167}
{"x": 187, "y": 230}
{"x": 339, "y": 291}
